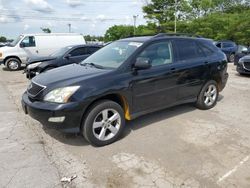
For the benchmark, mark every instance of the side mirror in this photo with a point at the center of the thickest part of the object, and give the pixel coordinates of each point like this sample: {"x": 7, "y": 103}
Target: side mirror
{"x": 142, "y": 64}
{"x": 22, "y": 45}
{"x": 67, "y": 56}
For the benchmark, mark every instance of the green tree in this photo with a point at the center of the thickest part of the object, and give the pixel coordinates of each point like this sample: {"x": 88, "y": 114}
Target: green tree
{"x": 46, "y": 30}
{"x": 118, "y": 31}
{"x": 3, "y": 39}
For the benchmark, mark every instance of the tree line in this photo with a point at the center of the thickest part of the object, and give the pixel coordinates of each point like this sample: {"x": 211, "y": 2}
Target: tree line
{"x": 216, "y": 19}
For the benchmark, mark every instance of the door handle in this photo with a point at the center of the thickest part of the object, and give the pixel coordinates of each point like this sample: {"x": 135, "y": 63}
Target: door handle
{"x": 37, "y": 51}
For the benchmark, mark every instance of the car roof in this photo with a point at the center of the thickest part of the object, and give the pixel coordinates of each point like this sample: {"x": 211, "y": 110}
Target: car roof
{"x": 226, "y": 41}
{"x": 163, "y": 35}
{"x": 137, "y": 39}
{"x": 84, "y": 45}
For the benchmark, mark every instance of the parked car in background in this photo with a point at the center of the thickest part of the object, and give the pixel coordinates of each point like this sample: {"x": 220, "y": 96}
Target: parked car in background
{"x": 124, "y": 80}
{"x": 241, "y": 52}
{"x": 243, "y": 66}
{"x": 2, "y": 44}
{"x": 29, "y": 45}
{"x": 64, "y": 56}
{"x": 229, "y": 48}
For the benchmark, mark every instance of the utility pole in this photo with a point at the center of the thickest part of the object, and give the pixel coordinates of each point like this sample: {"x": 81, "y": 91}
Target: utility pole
{"x": 135, "y": 17}
{"x": 69, "y": 27}
{"x": 175, "y": 17}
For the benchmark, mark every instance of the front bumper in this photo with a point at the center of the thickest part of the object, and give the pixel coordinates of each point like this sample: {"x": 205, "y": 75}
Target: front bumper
{"x": 70, "y": 113}
{"x": 240, "y": 69}
{"x": 1, "y": 62}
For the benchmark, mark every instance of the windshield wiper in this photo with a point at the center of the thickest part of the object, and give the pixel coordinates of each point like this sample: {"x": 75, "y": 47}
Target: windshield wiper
{"x": 93, "y": 65}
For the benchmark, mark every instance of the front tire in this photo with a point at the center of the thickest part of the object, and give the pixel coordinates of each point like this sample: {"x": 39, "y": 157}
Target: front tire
{"x": 208, "y": 96}
{"x": 232, "y": 58}
{"x": 104, "y": 123}
{"x": 13, "y": 64}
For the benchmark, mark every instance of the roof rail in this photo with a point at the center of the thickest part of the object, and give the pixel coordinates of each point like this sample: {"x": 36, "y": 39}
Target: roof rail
{"x": 177, "y": 34}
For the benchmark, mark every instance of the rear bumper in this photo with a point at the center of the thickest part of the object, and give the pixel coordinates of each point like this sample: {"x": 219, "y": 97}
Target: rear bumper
{"x": 224, "y": 81}
{"x": 65, "y": 117}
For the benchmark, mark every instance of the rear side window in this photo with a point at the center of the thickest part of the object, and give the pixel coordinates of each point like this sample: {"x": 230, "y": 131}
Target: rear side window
{"x": 188, "y": 49}
{"x": 206, "y": 49}
{"x": 91, "y": 50}
{"x": 228, "y": 45}
{"x": 29, "y": 41}
{"x": 218, "y": 45}
{"x": 78, "y": 52}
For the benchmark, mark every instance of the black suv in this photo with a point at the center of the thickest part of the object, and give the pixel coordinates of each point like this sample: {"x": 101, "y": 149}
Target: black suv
{"x": 64, "y": 56}
{"x": 126, "y": 79}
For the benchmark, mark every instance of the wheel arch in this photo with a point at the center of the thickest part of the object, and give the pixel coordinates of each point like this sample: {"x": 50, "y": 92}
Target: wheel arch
{"x": 115, "y": 97}
{"x": 12, "y": 56}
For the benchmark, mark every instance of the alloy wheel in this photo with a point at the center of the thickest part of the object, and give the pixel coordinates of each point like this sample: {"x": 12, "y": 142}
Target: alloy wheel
{"x": 106, "y": 124}
{"x": 210, "y": 95}
{"x": 13, "y": 65}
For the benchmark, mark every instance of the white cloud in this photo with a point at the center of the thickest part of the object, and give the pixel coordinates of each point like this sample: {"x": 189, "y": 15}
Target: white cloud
{"x": 39, "y": 5}
{"x": 9, "y": 19}
{"x": 26, "y": 27}
{"x": 102, "y": 18}
{"x": 74, "y": 3}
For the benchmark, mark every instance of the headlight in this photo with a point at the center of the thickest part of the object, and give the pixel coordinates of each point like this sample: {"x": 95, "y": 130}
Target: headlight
{"x": 241, "y": 61}
{"x": 61, "y": 95}
{"x": 33, "y": 65}
{"x": 1, "y": 54}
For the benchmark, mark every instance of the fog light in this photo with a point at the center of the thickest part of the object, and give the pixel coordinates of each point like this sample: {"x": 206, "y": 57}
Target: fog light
{"x": 57, "y": 119}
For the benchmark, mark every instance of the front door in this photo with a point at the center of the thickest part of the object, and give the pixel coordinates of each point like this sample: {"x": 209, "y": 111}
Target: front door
{"x": 77, "y": 55}
{"x": 155, "y": 87}
{"x": 29, "y": 46}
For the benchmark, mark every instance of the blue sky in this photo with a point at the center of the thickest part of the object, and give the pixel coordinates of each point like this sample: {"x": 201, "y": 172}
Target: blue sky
{"x": 86, "y": 16}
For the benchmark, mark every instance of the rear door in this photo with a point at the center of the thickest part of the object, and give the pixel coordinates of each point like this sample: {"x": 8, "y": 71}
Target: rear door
{"x": 192, "y": 67}
{"x": 155, "y": 88}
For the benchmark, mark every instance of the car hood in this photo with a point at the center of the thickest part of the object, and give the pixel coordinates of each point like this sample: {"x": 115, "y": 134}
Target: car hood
{"x": 68, "y": 75}
{"x": 8, "y": 49}
{"x": 41, "y": 59}
{"x": 247, "y": 57}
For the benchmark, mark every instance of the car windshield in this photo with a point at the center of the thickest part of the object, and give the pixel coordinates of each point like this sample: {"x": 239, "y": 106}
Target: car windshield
{"x": 14, "y": 43}
{"x": 112, "y": 55}
{"x": 61, "y": 52}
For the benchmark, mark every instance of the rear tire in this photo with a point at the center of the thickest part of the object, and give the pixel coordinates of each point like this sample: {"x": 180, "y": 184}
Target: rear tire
{"x": 13, "y": 64}
{"x": 208, "y": 96}
{"x": 104, "y": 123}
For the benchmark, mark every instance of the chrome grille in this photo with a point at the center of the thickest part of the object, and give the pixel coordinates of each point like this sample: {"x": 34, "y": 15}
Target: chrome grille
{"x": 247, "y": 65}
{"x": 34, "y": 89}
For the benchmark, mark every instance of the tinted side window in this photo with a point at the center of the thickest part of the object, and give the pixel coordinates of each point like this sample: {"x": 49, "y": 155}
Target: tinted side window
{"x": 218, "y": 45}
{"x": 158, "y": 53}
{"x": 29, "y": 41}
{"x": 208, "y": 51}
{"x": 91, "y": 50}
{"x": 228, "y": 45}
{"x": 188, "y": 49}
{"x": 78, "y": 52}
